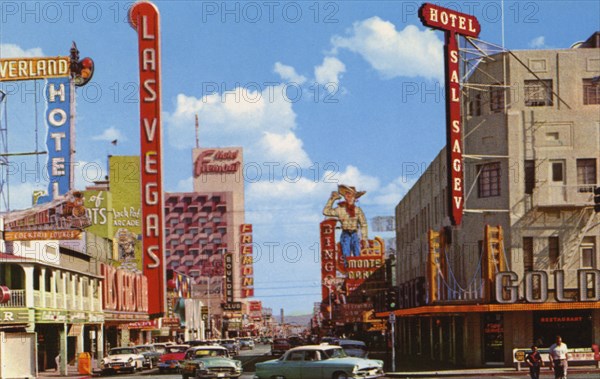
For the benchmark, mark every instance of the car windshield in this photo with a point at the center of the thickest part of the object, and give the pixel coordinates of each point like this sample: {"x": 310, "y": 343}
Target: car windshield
{"x": 176, "y": 349}
{"x": 121, "y": 351}
{"x": 144, "y": 348}
{"x": 335, "y": 353}
{"x": 203, "y": 353}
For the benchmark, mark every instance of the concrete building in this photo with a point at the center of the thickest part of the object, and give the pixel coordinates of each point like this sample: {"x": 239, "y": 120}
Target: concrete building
{"x": 206, "y": 228}
{"x": 531, "y": 150}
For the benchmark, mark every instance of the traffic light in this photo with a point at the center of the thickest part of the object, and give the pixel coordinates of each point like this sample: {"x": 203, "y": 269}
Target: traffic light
{"x": 597, "y": 199}
{"x": 392, "y": 298}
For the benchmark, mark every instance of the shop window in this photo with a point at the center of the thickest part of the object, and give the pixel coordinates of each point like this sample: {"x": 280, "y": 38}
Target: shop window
{"x": 489, "y": 180}
{"x": 591, "y": 91}
{"x": 538, "y": 93}
{"x": 528, "y": 254}
{"x": 586, "y": 174}
{"x": 588, "y": 252}
{"x": 554, "y": 252}
{"x": 529, "y": 176}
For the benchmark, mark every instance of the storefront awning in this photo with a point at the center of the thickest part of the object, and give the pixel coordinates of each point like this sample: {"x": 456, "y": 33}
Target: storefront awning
{"x": 482, "y": 308}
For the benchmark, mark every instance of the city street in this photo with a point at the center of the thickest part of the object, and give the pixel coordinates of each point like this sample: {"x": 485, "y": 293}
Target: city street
{"x": 262, "y": 352}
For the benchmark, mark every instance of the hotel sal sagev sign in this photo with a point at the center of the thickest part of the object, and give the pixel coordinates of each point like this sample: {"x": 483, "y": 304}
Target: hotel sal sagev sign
{"x": 452, "y": 23}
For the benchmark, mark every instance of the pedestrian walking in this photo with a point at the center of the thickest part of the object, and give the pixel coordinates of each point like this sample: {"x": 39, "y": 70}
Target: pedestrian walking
{"x": 559, "y": 357}
{"x": 534, "y": 360}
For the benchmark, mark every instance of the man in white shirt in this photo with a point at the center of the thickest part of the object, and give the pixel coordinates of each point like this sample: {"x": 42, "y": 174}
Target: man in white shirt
{"x": 559, "y": 356}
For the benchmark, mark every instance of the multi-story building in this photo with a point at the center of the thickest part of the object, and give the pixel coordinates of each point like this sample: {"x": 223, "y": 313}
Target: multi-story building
{"x": 531, "y": 145}
{"x": 54, "y": 287}
{"x": 205, "y": 228}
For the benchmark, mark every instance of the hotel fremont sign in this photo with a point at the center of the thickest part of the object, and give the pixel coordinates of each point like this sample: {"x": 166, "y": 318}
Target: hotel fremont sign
{"x": 452, "y": 23}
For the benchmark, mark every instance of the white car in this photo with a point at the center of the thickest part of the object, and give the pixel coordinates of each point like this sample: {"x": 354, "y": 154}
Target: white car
{"x": 122, "y": 359}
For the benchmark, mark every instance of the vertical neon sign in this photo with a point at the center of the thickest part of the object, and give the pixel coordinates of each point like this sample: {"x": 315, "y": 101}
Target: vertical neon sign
{"x": 452, "y": 23}
{"x": 144, "y": 18}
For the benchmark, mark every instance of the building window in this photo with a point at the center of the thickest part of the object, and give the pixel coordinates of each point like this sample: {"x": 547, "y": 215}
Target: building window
{"x": 554, "y": 252}
{"x": 489, "y": 179}
{"x": 528, "y": 254}
{"x": 475, "y": 106}
{"x": 529, "y": 176}
{"x": 586, "y": 174}
{"x": 588, "y": 252}
{"x": 558, "y": 171}
{"x": 591, "y": 91}
{"x": 538, "y": 93}
{"x": 497, "y": 94}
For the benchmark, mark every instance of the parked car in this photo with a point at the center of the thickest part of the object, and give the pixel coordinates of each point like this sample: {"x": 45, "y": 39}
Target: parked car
{"x": 209, "y": 362}
{"x": 160, "y": 346}
{"x": 319, "y": 362}
{"x": 330, "y": 340}
{"x": 354, "y": 348}
{"x": 231, "y": 345}
{"x": 280, "y": 346}
{"x": 151, "y": 356}
{"x": 122, "y": 359}
{"x": 246, "y": 343}
{"x": 170, "y": 360}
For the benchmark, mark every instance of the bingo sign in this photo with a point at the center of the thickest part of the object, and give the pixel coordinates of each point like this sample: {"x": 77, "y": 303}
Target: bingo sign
{"x": 452, "y": 23}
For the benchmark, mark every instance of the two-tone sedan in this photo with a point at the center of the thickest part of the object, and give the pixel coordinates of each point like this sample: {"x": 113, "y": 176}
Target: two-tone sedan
{"x": 122, "y": 359}
{"x": 172, "y": 357}
{"x": 209, "y": 362}
{"x": 319, "y": 362}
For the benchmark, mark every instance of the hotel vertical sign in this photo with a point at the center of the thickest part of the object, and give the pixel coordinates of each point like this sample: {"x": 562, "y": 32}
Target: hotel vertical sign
{"x": 144, "y": 18}
{"x": 452, "y": 23}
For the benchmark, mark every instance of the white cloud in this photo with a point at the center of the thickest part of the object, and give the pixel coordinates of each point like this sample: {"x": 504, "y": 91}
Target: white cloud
{"x": 538, "y": 42}
{"x": 261, "y": 121}
{"x": 284, "y": 148}
{"x": 329, "y": 71}
{"x": 288, "y": 73}
{"x": 409, "y": 52}
{"x": 10, "y": 50}
{"x": 110, "y": 134}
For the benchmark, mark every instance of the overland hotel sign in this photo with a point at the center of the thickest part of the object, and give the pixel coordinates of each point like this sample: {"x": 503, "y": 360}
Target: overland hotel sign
{"x": 452, "y": 23}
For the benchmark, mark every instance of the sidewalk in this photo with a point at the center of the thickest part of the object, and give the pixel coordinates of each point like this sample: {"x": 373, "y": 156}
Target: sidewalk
{"x": 479, "y": 372}
{"x": 72, "y": 373}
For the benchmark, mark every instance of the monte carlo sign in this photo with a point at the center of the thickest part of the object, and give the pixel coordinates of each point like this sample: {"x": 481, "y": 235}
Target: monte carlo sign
{"x": 452, "y": 23}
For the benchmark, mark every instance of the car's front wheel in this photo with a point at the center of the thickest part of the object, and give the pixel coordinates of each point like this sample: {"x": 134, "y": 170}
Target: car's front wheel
{"x": 340, "y": 375}
{"x": 278, "y": 377}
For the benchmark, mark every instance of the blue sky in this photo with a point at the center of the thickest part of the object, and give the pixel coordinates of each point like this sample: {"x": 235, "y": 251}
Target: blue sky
{"x": 349, "y": 92}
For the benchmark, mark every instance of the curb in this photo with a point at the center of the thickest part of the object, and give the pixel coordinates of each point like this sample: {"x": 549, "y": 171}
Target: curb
{"x": 479, "y": 373}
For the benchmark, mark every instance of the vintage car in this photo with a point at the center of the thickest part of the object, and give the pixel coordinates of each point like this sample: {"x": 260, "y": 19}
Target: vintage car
{"x": 319, "y": 362}
{"x": 209, "y": 362}
{"x": 354, "y": 348}
{"x": 280, "y": 346}
{"x": 231, "y": 345}
{"x": 122, "y": 359}
{"x": 246, "y": 343}
{"x": 171, "y": 358}
{"x": 151, "y": 356}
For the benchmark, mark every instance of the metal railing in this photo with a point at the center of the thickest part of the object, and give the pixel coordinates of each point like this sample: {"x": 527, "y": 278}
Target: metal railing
{"x": 17, "y": 300}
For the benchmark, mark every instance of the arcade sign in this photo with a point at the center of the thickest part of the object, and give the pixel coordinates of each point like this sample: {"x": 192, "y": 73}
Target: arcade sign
{"x": 507, "y": 286}
{"x": 144, "y": 18}
{"x": 452, "y": 23}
